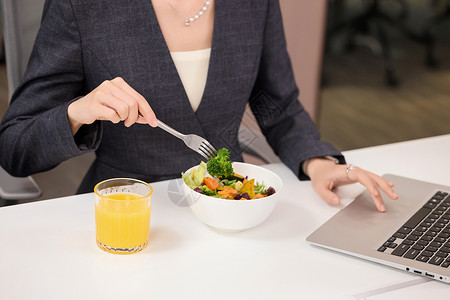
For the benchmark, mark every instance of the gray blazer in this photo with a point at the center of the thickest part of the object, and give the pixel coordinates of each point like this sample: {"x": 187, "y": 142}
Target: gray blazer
{"x": 81, "y": 43}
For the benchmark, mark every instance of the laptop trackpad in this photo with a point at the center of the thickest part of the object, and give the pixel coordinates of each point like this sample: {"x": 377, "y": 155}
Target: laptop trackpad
{"x": 359, "y": 227}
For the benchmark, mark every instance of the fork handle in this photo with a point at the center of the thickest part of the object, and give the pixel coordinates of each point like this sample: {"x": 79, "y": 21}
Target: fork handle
{"x": 170, "y": 130}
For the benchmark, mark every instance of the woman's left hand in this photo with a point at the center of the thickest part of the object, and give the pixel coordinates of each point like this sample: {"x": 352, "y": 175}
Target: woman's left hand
{"x": 326, "y": 175}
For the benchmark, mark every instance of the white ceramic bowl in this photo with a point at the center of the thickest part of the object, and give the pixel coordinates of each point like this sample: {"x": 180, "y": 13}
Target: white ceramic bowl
{"x": 235, "y": 215}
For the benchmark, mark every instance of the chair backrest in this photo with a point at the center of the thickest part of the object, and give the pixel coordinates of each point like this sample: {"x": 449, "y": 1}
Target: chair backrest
{"x": 21, "y": 21}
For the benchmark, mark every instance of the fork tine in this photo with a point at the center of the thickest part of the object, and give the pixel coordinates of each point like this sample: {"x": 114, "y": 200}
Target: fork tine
{"x": 206, "y": 150}
{"x": 210, "y": 147}
{"x": 199, "y": 151}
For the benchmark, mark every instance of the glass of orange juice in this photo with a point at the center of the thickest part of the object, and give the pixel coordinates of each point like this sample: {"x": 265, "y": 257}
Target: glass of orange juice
{"x": 122, "y": 214}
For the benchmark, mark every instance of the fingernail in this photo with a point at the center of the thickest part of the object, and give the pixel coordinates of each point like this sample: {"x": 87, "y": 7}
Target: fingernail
{"x": 382, "y": 207}
{"x": 335, "y": 200}
{"x": 154, "y": 123}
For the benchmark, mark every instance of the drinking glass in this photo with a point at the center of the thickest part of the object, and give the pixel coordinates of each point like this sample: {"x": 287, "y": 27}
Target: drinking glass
{"x": 122, "y": 214}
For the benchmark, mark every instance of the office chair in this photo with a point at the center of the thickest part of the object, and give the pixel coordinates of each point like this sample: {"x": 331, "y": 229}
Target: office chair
{"x": 21, "y": 21}
{"x": 442, "y": 13}
{"x": 254, "y": 143}
{"x": 372, "y": 22}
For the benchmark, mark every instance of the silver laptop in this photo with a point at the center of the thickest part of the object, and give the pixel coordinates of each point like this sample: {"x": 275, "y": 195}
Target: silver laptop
{"x": 412, "y": 235}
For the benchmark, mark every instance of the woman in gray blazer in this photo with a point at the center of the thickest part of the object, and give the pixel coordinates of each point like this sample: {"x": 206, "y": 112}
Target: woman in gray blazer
{"x": 98, "y": 64}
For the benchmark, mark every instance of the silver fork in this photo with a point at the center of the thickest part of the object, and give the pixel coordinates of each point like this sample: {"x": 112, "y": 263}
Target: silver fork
{"x": 193, "y": 141}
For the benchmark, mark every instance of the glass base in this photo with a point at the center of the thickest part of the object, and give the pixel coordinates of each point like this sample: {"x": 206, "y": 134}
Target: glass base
{"x": 121, "y": 250}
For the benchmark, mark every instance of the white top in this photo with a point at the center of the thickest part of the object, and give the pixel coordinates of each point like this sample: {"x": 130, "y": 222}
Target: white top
{"x": 192, "y": 67}
{"x": 48, "y": 248}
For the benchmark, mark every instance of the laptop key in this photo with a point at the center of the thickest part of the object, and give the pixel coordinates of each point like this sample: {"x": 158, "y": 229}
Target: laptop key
{"x": 408, "y": 242}
{"x": 443, "y": 206}
{"x": 427, "y": 253}
{"x": 444, "y": 220}
{"x": 412, "y": 237}
{"x": 431, "y": 220}
{"x": 412, "y": 254}
{"x": 444, "y": 235}
{"x": 439, "y": 224}
{"x": 435, "y": 229}
{"x": 422, "y": 258}
{"x": 436, "y": 244}
{"x": 445, "y": 264}
{"x": 438, "y": 212}
{"x": 405, "y": 230}
{"x": 430, "y": 205}
{"x": 426, "y": 224}
{"x": 427, "y": 238}
{"x": 417, "y": 232}
{"x": 438, "y": 196}
{"x": 417, "y": 247}
{"x": 431, "y": 233}
{"x": 382, "y": 249}
{"x": 392, "y": 245}
{"x": 417, "y": 217}
{"x": 399, "y": 235}
{"x": 440, "y": 240}
{"x": 441, "y": 254}
{"x": 400, "y": 250}
{"x": 422, "y": 228}
{"x": 422, "y": 242}
{"x": 436, "y": 260}
{"x": 431, "y": 249}
{"x": 445, "y": 249}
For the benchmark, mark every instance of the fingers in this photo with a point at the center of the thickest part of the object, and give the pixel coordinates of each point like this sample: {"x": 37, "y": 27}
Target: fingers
{"x": 123, "y": 102}
{"x": 325, "y": 177}
{"x": 326, "y": 194}
{"x": 113, "y": 100}
{"x": 138, "y": 105}
{"x": 372, "y": 187}
{"x": 386, "y": 186}
{"x": 373, "y": 183}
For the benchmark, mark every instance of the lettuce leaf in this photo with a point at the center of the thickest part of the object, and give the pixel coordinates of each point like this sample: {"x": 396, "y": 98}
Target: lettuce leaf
{"x": 195, "y": 178}
{"x": 260, "y": 188}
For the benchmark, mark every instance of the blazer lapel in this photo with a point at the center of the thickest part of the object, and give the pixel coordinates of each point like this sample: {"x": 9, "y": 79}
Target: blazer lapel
{"x": 173, "y": 97}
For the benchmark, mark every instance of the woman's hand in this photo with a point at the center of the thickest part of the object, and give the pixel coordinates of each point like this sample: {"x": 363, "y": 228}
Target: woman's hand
{"x": 326, "y": 175}
{"x": 113, "y": 100}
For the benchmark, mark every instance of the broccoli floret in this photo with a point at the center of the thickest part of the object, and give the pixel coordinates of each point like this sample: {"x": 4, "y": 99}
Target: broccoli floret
{"x": 220, "y": 166}
{"x": 207, "y": 191}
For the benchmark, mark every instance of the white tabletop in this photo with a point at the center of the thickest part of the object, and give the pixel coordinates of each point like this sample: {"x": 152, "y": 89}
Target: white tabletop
{"x": 48, "y": 248}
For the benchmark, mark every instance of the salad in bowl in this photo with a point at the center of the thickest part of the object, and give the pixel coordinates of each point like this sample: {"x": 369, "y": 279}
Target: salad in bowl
{"x": 218, "y": 179}
{"x": 231, "y": 196}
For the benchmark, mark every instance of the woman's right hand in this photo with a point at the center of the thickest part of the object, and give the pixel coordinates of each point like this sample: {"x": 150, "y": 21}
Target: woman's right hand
{"x": 113, "y": 100}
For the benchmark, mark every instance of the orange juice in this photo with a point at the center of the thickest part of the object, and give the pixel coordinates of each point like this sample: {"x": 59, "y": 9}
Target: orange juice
{"x": 122, "y": 221}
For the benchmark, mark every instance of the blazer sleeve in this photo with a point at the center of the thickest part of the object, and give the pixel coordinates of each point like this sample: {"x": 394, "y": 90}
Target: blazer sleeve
{"x": 35, "y": 134}
{"x": 274, "y": 102}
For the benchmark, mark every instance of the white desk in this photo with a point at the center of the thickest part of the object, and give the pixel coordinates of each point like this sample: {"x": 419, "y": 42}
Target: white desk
{"x": 48, "y": 248}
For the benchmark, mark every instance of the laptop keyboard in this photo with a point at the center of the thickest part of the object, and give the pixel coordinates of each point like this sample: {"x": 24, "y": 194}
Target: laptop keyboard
{"x": 425, "y": 236}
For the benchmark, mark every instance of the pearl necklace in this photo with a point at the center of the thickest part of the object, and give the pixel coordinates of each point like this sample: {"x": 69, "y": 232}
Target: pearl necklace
{"x": 188, "y": 21}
